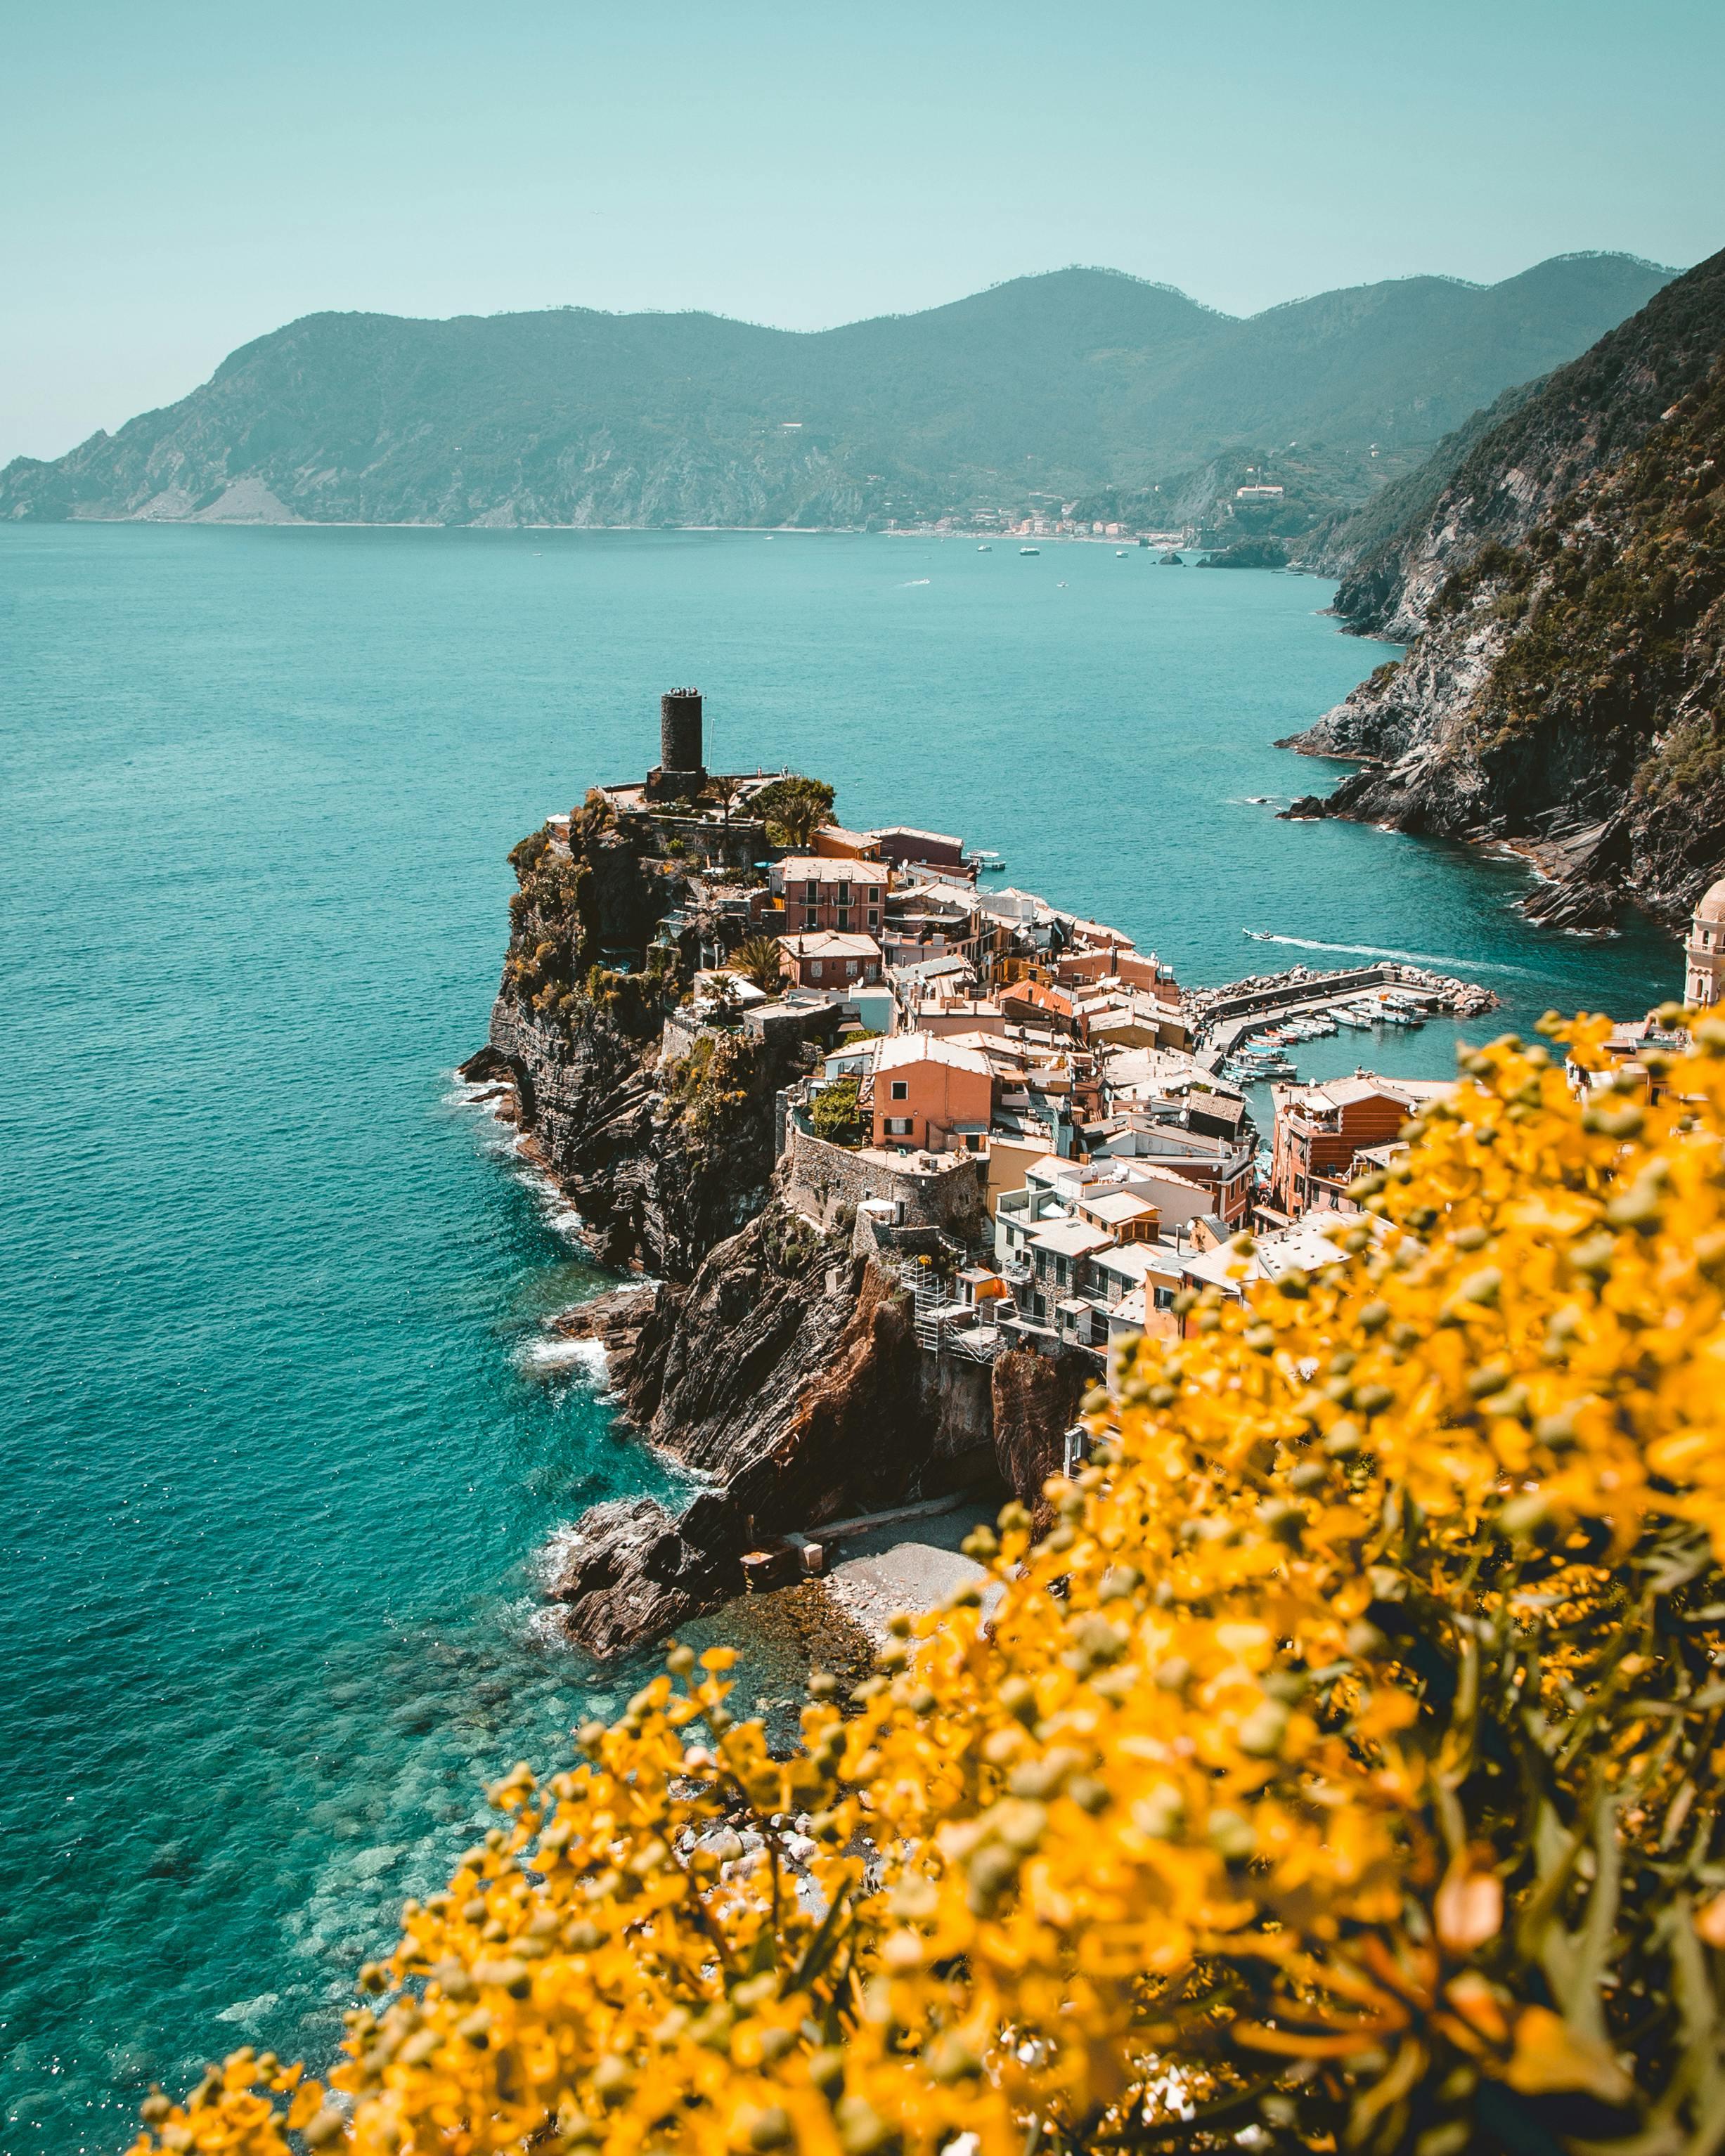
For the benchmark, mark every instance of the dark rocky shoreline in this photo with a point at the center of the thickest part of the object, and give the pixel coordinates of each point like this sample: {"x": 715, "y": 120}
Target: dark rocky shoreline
{"x": 785, "y": 1372}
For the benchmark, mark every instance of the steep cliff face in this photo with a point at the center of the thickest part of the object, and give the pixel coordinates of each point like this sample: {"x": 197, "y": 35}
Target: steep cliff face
{"x": 767, "y": 1358}
{"x": 1564, "y": 687}
{"x": 662, "y": 1161}
{"x": 1505, "y": 477}
{"x": 787, "y": 1375}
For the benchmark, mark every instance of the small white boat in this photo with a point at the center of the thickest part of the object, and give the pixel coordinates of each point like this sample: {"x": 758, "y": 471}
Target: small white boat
{"x": 1120, "y": 553}
{"x": 984, "y": 549}
{"x": 1030, "y": 550}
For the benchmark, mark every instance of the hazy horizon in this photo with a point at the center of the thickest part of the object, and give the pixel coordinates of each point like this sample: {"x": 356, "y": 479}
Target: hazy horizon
{"x": 185, "y": 181}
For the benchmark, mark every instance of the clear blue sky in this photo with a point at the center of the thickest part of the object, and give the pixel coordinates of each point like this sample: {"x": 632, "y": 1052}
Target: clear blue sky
{"x": 181, "y": 177}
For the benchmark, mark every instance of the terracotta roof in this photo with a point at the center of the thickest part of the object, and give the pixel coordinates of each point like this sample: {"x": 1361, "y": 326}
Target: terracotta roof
{"x": 1036, "y": 992}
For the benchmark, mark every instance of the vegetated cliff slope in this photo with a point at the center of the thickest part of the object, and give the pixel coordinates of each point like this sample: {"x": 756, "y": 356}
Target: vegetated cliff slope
{"x": 1066, "y": 383}
{"x": 1361, "y": 546}
{"x": 663, "y": 1161}
{"x": 1564, "y": 685}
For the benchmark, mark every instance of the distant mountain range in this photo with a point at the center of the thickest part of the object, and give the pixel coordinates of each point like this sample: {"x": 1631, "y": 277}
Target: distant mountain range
{"x": 1559, "y": 567}
{"x": 1081, "y": 388}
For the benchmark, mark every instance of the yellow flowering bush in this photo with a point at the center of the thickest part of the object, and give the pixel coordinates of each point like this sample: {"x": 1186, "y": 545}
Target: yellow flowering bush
{"x": 1340, "y": 1770}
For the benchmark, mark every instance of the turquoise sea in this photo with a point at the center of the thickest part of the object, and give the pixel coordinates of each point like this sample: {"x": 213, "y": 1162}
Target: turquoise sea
{"x": 277, "y": 1450}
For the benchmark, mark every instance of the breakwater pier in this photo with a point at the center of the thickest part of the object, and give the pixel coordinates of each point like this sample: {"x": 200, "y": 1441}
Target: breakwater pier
{"x": 1222, "y": 1019}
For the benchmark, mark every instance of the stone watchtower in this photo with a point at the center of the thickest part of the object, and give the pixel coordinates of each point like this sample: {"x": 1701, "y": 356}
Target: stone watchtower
{"x": 679, "y": 774}
{"x": 1704, "y": 951}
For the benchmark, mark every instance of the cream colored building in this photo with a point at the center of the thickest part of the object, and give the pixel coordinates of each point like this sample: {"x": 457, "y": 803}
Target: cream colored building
{"x": 1704, "y": 952}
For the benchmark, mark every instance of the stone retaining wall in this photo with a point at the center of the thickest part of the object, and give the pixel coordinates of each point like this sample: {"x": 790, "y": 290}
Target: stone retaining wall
{"x": 1314, "y": 986}
{"x": 823, "y": 1178}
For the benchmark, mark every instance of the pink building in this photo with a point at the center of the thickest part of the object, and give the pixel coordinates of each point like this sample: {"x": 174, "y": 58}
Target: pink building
{"x": 841, "y": 894}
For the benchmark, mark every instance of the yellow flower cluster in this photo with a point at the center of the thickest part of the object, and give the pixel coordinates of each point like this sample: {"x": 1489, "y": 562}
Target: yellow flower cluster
{"x": 1340, "y": 1770}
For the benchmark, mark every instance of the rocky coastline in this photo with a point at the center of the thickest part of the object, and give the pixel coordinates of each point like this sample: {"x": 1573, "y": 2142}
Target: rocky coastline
{"x": 1562, "y": 598}
{"x": 771, "y": 1357}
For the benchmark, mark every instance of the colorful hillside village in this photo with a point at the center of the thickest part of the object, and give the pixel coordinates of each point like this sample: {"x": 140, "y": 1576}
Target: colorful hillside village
{"x": 1010, "y": 1102}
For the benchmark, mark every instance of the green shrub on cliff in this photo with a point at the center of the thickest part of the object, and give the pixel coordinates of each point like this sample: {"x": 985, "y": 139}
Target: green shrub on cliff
{"x": 1618, "y": 607}
{"x": 793, "y": 809}
{"x": 833, "y": 1115}
{"x": 711, "y": 1084}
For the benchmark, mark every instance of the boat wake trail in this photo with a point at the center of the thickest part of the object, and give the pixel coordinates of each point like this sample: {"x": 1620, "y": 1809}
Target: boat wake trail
{"x": 1404, "y": 958}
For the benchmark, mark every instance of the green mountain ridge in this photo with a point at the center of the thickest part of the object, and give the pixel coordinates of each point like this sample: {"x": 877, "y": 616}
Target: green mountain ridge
{"x": 1072, "y": 385}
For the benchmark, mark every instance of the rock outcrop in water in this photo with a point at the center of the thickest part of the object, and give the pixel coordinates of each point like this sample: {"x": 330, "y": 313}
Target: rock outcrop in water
{"x": 787, "y": 1374}
{"x": 1564, "y": 688}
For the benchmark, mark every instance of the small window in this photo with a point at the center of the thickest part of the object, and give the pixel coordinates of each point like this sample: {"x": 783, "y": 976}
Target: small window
{"x": 851, "y": 967}
{"x": 813, "y": 894}
{"x": 815, "y": 969}
{"x": 844, "y": 894}
{"x": 901, "y": 1089}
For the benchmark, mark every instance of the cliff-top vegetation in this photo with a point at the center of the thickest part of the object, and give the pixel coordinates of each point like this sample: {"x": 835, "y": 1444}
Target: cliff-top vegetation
{"x": 1615, "y": 608}
{"x": 1335, "y": 1765}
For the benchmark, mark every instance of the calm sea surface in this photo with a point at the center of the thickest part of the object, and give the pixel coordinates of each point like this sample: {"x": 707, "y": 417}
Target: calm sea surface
{"x": 279, "y": 1449}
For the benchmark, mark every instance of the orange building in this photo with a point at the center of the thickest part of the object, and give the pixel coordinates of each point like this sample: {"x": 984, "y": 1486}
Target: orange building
{"x": 833, "y": 842}
{"x": 929, "y": 1095}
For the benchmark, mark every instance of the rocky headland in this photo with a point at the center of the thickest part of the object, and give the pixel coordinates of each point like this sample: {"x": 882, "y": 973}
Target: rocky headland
{"x": 772, "y": 1355}
{"x": 1563, "y": 593}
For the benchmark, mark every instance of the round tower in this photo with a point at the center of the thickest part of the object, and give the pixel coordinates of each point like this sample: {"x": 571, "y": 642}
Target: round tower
{"x": 1704, "y": 951}
{"x": 681, "y": 770}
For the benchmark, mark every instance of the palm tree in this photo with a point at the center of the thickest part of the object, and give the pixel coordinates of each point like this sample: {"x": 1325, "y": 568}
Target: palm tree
{"x": 761, "y": 960}
{"x": 794, "y": 810}
{"x": 724, "y": 791}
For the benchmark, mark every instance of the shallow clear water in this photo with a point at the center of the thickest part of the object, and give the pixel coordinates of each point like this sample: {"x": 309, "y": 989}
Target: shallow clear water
{"x": 275, "y": 1456}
